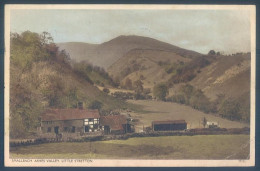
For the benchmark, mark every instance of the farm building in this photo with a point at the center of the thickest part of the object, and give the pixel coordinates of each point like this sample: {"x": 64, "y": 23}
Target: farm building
{"x": 169, "y": 125}
{"x": 212, "y": 125}
{"x": 70, "y": 121}
{"x": 115, "y": 124}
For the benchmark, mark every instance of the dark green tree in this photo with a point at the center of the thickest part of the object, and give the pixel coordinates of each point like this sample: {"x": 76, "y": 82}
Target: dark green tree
{"x": 160, "y": 91}
{"x": 212, "y": 52}
{"x": 95, "y": 105}
{"x": 230, "y": 109}
{"x": 138, "y": 86}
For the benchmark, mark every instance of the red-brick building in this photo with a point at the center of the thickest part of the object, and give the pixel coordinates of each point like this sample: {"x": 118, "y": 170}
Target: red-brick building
{"x": 115, "y": 124}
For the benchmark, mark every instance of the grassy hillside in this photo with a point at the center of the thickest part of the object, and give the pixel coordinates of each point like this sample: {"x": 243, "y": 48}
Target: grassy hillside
{"x": 222, "y": 87}
{"x": 107, "y": 53}
{"x": 149, "y": 65}
{"x": 42, "y": 77}
{"x": 229, "y": 75}
{"x": 79, "y": 51}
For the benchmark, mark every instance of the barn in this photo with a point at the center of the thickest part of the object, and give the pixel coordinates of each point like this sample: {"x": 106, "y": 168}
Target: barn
{"x": 78, "y": 120}
{"x": 170, "y": 125}
{"x": 115, "y": 124}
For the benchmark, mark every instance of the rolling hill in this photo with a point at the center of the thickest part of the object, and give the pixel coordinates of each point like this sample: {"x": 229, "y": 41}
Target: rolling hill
{"x": 151, "y": 61}
{"x": 135, "y": 57}
{"x": 79, "y": 51}
{"x": 108, "y": 53}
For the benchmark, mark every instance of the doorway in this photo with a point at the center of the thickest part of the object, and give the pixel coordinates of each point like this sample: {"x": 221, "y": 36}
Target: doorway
{"x": 86, "y": 128}
{"x": 106, "y": 129}
{"x": 56, "y": 130}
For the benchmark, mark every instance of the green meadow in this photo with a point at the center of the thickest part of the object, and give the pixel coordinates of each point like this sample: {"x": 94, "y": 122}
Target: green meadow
{"x": 168, "y": 147}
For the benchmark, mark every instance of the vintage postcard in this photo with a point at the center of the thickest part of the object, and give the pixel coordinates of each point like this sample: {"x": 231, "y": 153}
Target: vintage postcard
{"x": 130, "y": 85}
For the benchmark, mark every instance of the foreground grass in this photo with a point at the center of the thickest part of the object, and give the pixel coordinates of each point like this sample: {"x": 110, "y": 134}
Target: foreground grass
{"x": 168, "y": 147}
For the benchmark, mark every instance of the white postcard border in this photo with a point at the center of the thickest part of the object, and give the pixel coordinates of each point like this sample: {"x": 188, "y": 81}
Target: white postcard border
{"x": 129, "y": 163}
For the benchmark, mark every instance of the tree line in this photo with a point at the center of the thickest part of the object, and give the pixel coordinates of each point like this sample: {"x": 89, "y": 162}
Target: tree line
{"x": 93, "y": 74}
{"x": 223, "y": 106}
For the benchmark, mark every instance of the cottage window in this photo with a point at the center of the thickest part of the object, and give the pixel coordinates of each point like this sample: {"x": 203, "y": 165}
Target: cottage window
{"x": 73, "y": 129}
{"x": 91, "y": 119}
{"x": 49, "y": 129}
{"x": 49, "y": 122}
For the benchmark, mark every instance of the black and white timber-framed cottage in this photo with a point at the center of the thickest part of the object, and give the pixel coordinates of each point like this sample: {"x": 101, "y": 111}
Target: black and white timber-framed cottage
{"x": 56, "y": 121}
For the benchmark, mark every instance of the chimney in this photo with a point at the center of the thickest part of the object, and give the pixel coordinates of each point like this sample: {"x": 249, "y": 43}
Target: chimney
{"x": 80, "y": 105}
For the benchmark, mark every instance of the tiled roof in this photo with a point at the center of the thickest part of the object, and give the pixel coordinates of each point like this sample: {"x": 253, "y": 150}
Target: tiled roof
{"x": 115, "y": 122}
{"x": 169, "y": 122}
{"x": 68, "y": 114}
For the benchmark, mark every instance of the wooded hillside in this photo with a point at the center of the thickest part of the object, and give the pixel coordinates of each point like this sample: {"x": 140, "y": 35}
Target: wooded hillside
{"x": 41, "y": 77}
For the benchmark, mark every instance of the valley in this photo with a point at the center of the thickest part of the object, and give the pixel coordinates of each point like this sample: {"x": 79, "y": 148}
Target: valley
{"x": 119, "y": 88}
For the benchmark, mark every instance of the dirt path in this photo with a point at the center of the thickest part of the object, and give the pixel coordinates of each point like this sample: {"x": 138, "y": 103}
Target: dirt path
{"x": 159, "y": 110}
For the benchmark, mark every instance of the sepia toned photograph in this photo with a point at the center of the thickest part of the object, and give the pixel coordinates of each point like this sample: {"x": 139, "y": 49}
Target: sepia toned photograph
{"x": 130, "y": 85}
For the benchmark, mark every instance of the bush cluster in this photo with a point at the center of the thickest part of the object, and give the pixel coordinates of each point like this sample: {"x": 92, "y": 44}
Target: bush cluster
{"x": 225, "y": 107}
{"x": 130, "y": 96}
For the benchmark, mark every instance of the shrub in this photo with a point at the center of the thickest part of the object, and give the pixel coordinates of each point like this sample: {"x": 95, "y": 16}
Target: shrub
{"x": 128, "y": 84}
{"x": 147, "y": 90}
{"x": 106, "y": 90}
{"x": 138, "y": 86}
{"x": 178, "y": 98}
{"x": 95, "y": 105}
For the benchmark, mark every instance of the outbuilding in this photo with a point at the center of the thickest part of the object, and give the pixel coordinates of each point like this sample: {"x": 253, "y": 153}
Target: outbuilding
{"x": 169, "y": 125}
{"x": 212, "y": 125}
{"x": 115, "y": 124}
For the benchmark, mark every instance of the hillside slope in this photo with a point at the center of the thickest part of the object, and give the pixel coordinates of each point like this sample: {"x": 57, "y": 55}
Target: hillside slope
{"x": 107, "y": 53}
{"x": 40, "y": 78}
{"x": 145, "y": 64}
{"x": 229, "y": 75}
{"x": 136, "y": 57}
{"x": 79, "y": 51}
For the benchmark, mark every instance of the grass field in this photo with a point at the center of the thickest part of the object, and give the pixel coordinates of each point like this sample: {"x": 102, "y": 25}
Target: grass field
{"x": 168, "y": 147}
{"x": 159, "y": 110}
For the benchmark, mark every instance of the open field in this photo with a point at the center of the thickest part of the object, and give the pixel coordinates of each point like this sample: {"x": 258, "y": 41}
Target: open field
{"x": 113, "y": 90}
{"x": 168, "y": 147}
{"x": 159, "y": 110}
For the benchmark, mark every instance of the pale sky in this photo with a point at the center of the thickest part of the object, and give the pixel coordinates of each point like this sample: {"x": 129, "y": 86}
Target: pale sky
{"x": 198, "y": 30}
